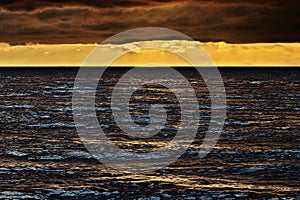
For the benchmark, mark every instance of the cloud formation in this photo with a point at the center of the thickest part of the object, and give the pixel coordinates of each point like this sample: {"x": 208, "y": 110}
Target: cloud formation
{"x": 223, "y": 54}
{"x": 78, "y": 21}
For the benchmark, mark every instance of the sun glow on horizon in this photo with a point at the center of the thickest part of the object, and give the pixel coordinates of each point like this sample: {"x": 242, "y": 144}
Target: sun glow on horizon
{"x": 150, "y": 56}
{"x": 223, "y": 54}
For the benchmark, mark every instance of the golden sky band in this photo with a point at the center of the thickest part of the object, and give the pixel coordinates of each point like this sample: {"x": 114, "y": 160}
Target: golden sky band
{"x": 223, "y": 54}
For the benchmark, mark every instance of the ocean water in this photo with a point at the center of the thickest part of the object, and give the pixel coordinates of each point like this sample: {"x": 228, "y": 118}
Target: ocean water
{"x": 257, "y": 155}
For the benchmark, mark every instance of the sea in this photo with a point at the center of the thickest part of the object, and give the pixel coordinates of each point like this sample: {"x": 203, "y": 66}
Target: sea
{"x": 257, "y": 155}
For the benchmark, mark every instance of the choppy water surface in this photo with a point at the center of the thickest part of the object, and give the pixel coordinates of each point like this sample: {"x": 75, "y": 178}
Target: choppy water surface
{"x": 256, "y": 156}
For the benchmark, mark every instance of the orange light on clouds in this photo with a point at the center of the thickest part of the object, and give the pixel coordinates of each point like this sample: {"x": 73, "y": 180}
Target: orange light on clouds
{"x": 223, "y": 54}
{"x": 150, "y": 56}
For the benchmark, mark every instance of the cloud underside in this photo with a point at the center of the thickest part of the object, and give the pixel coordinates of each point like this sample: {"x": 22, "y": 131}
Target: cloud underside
{"x": 211, "y": 20}
{"x": 223, "y": 54}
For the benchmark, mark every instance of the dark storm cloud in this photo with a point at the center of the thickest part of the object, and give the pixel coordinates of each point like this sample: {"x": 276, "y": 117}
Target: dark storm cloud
{"x": 234, "y": 21}
{"x": 29, "y": 5}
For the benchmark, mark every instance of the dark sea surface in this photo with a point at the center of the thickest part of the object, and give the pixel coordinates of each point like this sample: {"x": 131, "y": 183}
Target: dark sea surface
{"x": 257, "y": 155}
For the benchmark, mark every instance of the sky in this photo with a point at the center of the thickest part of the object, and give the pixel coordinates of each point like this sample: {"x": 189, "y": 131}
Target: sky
{"x": 222, "y": 54}
{"x": 233, "y": 32}
{"x": 82, "y": 21}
